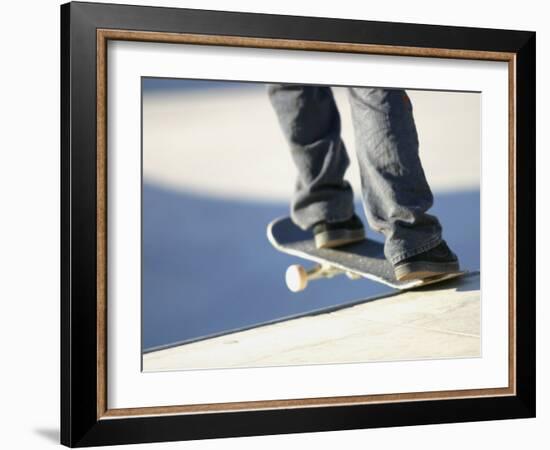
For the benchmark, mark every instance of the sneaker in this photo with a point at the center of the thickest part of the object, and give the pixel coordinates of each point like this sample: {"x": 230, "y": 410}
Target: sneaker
{"x": 335, "y": 234}
{"x": 436, "y": 261}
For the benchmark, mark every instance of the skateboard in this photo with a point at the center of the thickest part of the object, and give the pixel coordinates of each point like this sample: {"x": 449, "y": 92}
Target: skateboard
{"x": 364, "y": 259}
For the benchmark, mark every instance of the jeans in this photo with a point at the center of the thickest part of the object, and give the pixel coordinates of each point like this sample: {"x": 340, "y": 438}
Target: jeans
{"x": 395, "y": 192}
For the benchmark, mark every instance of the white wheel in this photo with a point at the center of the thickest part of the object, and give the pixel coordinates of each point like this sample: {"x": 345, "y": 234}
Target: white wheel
{"x": 296, "y": 278}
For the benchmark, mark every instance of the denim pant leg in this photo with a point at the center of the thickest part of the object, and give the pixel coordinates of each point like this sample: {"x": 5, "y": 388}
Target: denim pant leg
{"x": 396, "y": 194}
{"x": 310, "y": 122}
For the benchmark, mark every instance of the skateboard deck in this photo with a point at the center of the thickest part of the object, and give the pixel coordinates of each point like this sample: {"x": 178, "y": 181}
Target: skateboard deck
{"x": 363, "y": 259}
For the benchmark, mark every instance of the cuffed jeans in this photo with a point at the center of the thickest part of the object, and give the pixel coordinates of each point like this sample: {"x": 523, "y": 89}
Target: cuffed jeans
{"x": 396, "y": 195}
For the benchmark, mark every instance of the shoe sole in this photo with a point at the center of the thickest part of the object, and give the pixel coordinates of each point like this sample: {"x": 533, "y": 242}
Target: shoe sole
{"x": 337, "y": 238}
{"x": 419, "y": 270}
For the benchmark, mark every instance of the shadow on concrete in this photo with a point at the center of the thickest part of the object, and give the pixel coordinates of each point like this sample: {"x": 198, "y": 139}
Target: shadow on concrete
{"x": 471, "y": 283}
{"x": 208, "y": 267}
{"x": 467, "y": 282}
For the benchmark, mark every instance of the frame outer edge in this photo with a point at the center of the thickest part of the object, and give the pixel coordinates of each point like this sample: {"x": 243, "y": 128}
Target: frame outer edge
{"x": 65, "y": 335}
{"x": 526, "y": 226}
{"x": 78, "y": 20}
{"x": 79, "y": 301}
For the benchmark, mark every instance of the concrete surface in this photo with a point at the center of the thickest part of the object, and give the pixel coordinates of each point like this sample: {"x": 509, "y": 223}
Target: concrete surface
{"x": 442, "y": 321}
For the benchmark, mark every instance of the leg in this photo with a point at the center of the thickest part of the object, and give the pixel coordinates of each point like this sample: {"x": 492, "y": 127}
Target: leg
{"x": 395, "y": 191}
{"x": 310, "y": 122}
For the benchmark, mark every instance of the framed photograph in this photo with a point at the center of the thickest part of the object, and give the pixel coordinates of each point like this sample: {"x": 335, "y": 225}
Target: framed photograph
{"x": 277, "y": 224}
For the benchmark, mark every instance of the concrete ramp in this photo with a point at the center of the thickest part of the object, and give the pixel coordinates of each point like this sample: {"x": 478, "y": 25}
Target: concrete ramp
{"x": 442, "y": 321}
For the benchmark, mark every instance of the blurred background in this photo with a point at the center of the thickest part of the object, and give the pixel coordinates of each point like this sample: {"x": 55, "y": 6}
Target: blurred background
{"x": 217, "y": 170}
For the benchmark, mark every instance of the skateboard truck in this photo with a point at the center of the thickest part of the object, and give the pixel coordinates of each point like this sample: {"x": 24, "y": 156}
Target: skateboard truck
{"x": 297, "y": 276}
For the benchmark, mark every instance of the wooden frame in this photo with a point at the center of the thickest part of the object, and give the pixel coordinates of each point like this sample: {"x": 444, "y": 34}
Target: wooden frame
{"x": 86, "y": 418}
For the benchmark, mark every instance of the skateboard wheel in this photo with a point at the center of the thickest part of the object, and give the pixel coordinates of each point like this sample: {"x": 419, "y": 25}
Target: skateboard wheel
{"x": 296, "y": 278}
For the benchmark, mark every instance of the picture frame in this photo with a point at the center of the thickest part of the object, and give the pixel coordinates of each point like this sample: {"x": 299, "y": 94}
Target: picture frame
{"x": 86, "y": 418}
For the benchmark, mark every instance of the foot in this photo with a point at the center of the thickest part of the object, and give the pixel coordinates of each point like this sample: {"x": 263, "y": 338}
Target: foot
{"x": 335, "y": 234}
{"x": 436, "y": 261}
